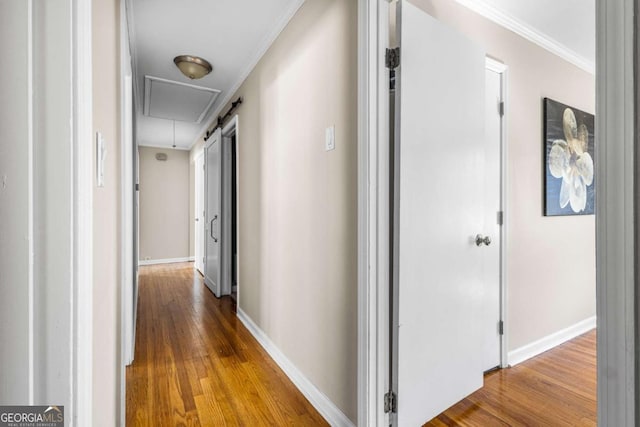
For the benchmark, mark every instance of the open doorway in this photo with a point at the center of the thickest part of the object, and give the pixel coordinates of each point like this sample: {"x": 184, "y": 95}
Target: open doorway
{"x": 230, "y": 207}
{"x": 454, "y": 194}
{"x": 199, "y": 213}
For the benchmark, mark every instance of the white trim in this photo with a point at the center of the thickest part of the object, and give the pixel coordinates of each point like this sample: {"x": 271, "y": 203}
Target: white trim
{"x": 127, "y": 269}
{"x": 81, "y": 412}
{"x": 229, "y": 130}
{"x": 264, "y": 45}
{"x": 504, "y": 204}
{"x": 199, "y": 209}
{"x": 617, "y": 219}
{"x": 126, "y": 199}
{"x": 503, "y": 70}
{"x": 334, "y": 416}
{"x": 495, "y": 65}
{"x": 134, "y": 57}
{"x": 165, "y": 260}
{"x": 529, "y": 33}
{"x": 373, "y": 212}
{"x": 162, "y": 147}
{"x": 535, "y": 348}
{"x": 30, "y": 216}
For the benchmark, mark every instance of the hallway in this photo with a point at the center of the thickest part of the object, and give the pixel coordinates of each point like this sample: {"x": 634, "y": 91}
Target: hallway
{"x": 197, "y": 365}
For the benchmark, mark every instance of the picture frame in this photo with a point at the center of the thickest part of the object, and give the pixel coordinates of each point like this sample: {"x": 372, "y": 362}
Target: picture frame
{"x": 569, "y": 143}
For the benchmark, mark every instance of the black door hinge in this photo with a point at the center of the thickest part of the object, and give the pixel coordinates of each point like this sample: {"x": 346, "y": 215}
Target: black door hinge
{"x": 390, "y": 402}
{"x": 392, "y": 58}
{"x": 501, "y": 327}
{"x": 501, "y": 108}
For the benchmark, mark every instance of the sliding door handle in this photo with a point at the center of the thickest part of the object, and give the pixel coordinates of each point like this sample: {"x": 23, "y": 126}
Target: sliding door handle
{"x": 215, "y": 239}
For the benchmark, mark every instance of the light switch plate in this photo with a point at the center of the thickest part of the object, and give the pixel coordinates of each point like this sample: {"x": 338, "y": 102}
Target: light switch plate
{"x": 330, "y": 138}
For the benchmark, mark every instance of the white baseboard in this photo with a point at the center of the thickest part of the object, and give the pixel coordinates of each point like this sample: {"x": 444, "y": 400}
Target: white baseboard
{"x": 334, "y": 416}
{"x": 165, "y": 260}
{"x": 528, "y": 351}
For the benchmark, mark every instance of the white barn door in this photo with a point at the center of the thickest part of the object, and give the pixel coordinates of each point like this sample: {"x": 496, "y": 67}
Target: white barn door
{"x": 439, "y": 143}
{"x": 213, "y": 179}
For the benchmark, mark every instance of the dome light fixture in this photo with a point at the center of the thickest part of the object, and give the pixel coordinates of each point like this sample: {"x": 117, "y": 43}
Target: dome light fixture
{"x": 193, "y": 67}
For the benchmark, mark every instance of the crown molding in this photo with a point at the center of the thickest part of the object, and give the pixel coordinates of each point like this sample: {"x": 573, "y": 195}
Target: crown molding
{"x": 529, "y": 33}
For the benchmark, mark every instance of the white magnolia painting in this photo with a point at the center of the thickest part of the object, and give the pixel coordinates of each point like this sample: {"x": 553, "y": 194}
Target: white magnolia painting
{"x": 569, "y": 152}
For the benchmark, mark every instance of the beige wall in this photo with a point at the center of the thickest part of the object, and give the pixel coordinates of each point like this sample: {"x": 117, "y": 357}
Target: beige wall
{"x": 164, "y": 204}
{"x": 297, "y": 202}
{"x": 106, "y": 209}
{"x": 551, "y": 260}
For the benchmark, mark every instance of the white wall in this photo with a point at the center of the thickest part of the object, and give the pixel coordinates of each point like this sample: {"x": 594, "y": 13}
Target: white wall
{"x": 551, "y": 260}
{"x": 164, "y": 204}
{"x": 52, "y": 200}
{"x": 15, "y": 311}
{"x": 35, "y": 203}
{"x": 297, "y": 203}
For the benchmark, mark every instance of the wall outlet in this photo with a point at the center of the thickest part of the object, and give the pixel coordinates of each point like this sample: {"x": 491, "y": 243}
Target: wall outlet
{"x": 330, "y": 138}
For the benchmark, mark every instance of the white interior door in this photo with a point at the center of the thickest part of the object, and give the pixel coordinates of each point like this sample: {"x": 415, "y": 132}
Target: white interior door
{"x": 491, "y": 254}
{"x": 439, "y": 211}
{"x": 213, "y": 180}
{"x": 199, "y": 214}
{"x": 128, "y": 258}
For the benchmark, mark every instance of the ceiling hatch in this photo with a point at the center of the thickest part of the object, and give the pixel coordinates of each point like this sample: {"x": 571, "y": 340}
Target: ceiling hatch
{"x": 168, "y": 99}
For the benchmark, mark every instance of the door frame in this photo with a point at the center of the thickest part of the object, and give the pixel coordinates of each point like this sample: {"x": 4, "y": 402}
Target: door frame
{"x": 617, "y": 167}
{"x": 373, "y": 212}
{"x": 81, "y": 411}
{"x": 503, "y": 70}
{"x": 226, "y": 257}
{"x": 617, "y": 225}
{"x": 199, "y": 192}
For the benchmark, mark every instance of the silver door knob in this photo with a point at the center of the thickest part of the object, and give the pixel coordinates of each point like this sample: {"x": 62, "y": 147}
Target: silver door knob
{"x": 482, "y": 240}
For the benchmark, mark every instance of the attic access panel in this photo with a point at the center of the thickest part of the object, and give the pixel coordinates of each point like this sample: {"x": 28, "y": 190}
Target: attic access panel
{"x": 172, "y": 100}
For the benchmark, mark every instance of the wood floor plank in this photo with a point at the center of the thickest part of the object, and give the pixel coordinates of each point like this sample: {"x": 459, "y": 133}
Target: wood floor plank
{"x": 197, "y": 365}
{"x": 556, "y": 388}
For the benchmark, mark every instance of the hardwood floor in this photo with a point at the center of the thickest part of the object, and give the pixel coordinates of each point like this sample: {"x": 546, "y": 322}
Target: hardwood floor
{"x": 556, "y": 388}
{"x": 197, "y": 365}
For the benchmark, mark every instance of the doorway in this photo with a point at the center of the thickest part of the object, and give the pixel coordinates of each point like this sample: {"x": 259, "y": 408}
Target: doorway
{"x": 447, "y": 233}
{"x": 199, "y": 213}
{"x": 494, "y": 302}
{"x": 220, "y": 201}
{"x": 230, "y": 208}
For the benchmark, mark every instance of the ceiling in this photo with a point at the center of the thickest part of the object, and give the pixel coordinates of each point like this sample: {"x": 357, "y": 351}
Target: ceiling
{"x": 230, "y": 34}
{"x": 233, "y": 34}
{"x": 565, "y": 27}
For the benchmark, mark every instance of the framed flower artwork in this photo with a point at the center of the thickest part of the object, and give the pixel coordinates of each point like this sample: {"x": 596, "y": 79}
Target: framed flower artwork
{"x": 568, "y": 163}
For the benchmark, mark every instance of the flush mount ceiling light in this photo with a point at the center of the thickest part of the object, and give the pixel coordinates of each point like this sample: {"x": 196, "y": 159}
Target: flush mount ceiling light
{"x": 193, "y": 66}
